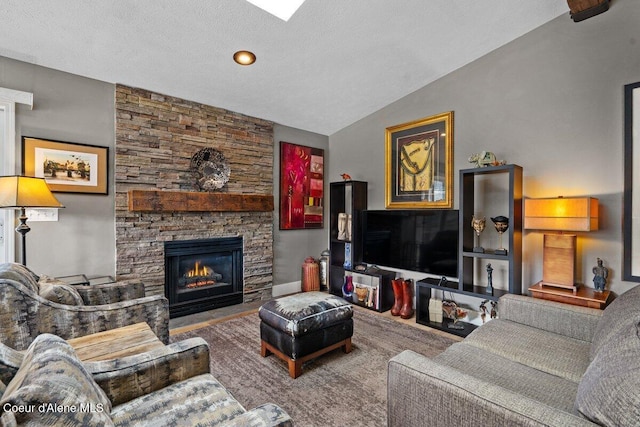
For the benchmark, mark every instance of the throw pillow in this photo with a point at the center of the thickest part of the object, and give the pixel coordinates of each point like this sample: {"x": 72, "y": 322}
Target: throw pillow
{"x": 58, "y": 291}
{"x": 617, "y": 316}
{"x": 52, "y": 387}
{"x": 609, "y": 392}
{"x": 20, "y": 274}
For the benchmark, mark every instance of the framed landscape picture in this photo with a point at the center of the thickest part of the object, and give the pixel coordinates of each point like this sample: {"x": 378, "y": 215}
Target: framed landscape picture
{"x": 66, "y": 167}
{"x": 419, "y": 163}
{"x": 301, "y": 187}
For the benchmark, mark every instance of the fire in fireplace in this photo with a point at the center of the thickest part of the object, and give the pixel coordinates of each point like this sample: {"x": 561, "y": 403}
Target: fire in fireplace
{"x": 203, "y": 274}
{"x": 199, "y": 275}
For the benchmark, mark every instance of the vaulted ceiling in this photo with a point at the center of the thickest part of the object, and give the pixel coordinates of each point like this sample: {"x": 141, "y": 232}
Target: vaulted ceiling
{"x": 333, "y": 63}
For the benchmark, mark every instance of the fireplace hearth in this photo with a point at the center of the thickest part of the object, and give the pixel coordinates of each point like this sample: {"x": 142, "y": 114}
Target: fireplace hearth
{"x": 203, "y": 274}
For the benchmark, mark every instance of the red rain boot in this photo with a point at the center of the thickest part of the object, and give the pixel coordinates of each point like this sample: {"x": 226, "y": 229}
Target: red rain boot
{"x": 407, "y": 299}
{"x": 397, "y": 294}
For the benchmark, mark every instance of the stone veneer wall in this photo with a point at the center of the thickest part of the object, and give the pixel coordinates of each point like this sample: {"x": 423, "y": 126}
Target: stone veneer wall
{"x": 156, "y": 136}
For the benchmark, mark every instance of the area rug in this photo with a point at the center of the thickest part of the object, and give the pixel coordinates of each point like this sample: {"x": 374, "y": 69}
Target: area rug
{"x": 336, "y": 389}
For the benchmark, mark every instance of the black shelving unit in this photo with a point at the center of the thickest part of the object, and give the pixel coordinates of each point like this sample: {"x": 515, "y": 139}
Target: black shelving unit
{"x": 467, "y": 259}
{"x": 348, "y": 197}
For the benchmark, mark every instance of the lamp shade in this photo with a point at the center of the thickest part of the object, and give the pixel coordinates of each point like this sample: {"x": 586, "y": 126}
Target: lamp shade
{"x": 561, "y": 214}
{"x": 26, "y": 192}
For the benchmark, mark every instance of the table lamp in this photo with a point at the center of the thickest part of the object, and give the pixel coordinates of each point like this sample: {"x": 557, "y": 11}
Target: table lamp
{"x": 559, "y": 253}
{"x": 21, "y": 192}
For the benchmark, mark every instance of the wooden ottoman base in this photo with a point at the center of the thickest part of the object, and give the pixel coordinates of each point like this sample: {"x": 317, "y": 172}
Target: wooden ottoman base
{"x": 295, "y": 366}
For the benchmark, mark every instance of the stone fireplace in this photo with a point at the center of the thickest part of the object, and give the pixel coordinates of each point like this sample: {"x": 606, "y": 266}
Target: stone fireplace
{"x": 202, "y": 274}
{"x": 156, "y": 136}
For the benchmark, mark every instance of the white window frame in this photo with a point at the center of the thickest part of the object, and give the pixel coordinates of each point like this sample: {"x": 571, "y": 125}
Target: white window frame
{"x": 8, "y": 100}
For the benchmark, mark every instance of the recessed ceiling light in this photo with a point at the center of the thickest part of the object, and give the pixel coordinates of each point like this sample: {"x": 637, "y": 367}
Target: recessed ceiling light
{"x": 244, "y": 57}
{"x": 283, "y": 9}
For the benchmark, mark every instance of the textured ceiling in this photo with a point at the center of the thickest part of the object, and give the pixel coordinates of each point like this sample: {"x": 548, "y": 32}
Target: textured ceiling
{"x": 333, "y": 63}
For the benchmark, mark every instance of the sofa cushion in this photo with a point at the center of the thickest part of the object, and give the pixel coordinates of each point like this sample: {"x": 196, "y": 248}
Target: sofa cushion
{"x": 539, "y": 349}
{"x": 53, "y": 387}
{"x": 20, "y": 274}
{"x": 609, "y": 393}
{"x": 201, "y": 400}
{"x": 58, "y": 291}
{"x": 618, "y": 316}
{"x": 552, "y": 390}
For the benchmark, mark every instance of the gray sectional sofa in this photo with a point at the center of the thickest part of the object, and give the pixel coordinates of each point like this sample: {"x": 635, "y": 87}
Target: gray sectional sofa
{"x": 542, "y": 363}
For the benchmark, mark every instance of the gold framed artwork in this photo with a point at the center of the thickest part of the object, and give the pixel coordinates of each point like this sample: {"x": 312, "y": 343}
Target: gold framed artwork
{"x": 66, "y": 167}
{"x": 419, "y": 163}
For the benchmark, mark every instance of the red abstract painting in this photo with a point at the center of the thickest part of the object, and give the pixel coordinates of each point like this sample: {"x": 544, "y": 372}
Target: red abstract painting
{"x": 301, "y": 187}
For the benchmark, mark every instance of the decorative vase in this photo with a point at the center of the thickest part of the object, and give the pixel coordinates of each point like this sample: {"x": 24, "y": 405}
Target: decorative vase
{"x": 310, "y": 275}
{"x": 347, "y": 288}
{"x": 324, "y": 270}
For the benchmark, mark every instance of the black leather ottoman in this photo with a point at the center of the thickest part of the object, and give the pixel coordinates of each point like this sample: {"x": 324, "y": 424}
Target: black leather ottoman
{"x": 301, "y": 327}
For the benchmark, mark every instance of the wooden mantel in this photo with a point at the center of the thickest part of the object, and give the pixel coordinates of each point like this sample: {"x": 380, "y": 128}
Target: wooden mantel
{"x": 193, "y": 201}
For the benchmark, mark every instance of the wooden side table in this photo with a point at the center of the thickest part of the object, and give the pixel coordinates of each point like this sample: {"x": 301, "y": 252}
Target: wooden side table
{"x": 586, "y": 297}
{"x": 116, "y": 343}
{"x": 77, "y": 279}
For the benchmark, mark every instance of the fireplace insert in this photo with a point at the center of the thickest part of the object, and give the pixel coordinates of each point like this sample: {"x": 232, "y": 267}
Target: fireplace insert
{"x": 203, "y": 274}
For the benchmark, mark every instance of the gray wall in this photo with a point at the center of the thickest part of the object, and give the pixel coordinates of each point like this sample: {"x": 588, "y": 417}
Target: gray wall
{"x": 72, "y": 109}
{"x": 291, "y": 247}
{"x": 550, "y": 101}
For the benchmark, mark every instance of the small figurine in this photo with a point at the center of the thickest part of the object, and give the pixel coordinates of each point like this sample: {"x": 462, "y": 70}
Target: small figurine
{"x": 502, "y": 224}
{"x": 483, "y": 309}
{"x": 494, "y": 312}
{"x": 346, "y": 176}
{"x": 600, "y": 276}
{"x": 484, "y": 159}
{"x": 489, "y": 279}
{"x": 478, "y": 225}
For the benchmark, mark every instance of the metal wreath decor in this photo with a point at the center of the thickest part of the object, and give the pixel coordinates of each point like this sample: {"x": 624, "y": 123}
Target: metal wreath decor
{"x": 210, "y": 169}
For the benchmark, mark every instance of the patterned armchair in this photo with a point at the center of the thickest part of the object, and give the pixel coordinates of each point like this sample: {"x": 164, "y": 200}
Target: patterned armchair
{"x": 125, "y": 378}
{"x": 31, "y": 305}
{"x": 51, "y": 377}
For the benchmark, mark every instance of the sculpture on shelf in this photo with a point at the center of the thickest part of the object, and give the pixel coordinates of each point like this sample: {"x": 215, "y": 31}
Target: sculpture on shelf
{"x": 600, "y": 274}
{"x": 502, "y": 224}
{"x": 489, "y": 279}
{"x": 452, "y": 311}
{"x": 484, "y": 159}
{"x": 478, "y": 225}
{"x": 342, "y": 226}
{"x": 483, "y": 310}
{"x": 346, "y": 176}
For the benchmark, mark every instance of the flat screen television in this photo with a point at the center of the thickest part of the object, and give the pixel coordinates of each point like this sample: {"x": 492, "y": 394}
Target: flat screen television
{"x": 417, "y": 240}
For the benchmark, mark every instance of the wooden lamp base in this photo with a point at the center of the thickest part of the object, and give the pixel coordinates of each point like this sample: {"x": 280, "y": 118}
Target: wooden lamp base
{"x": 559, "y": 261}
